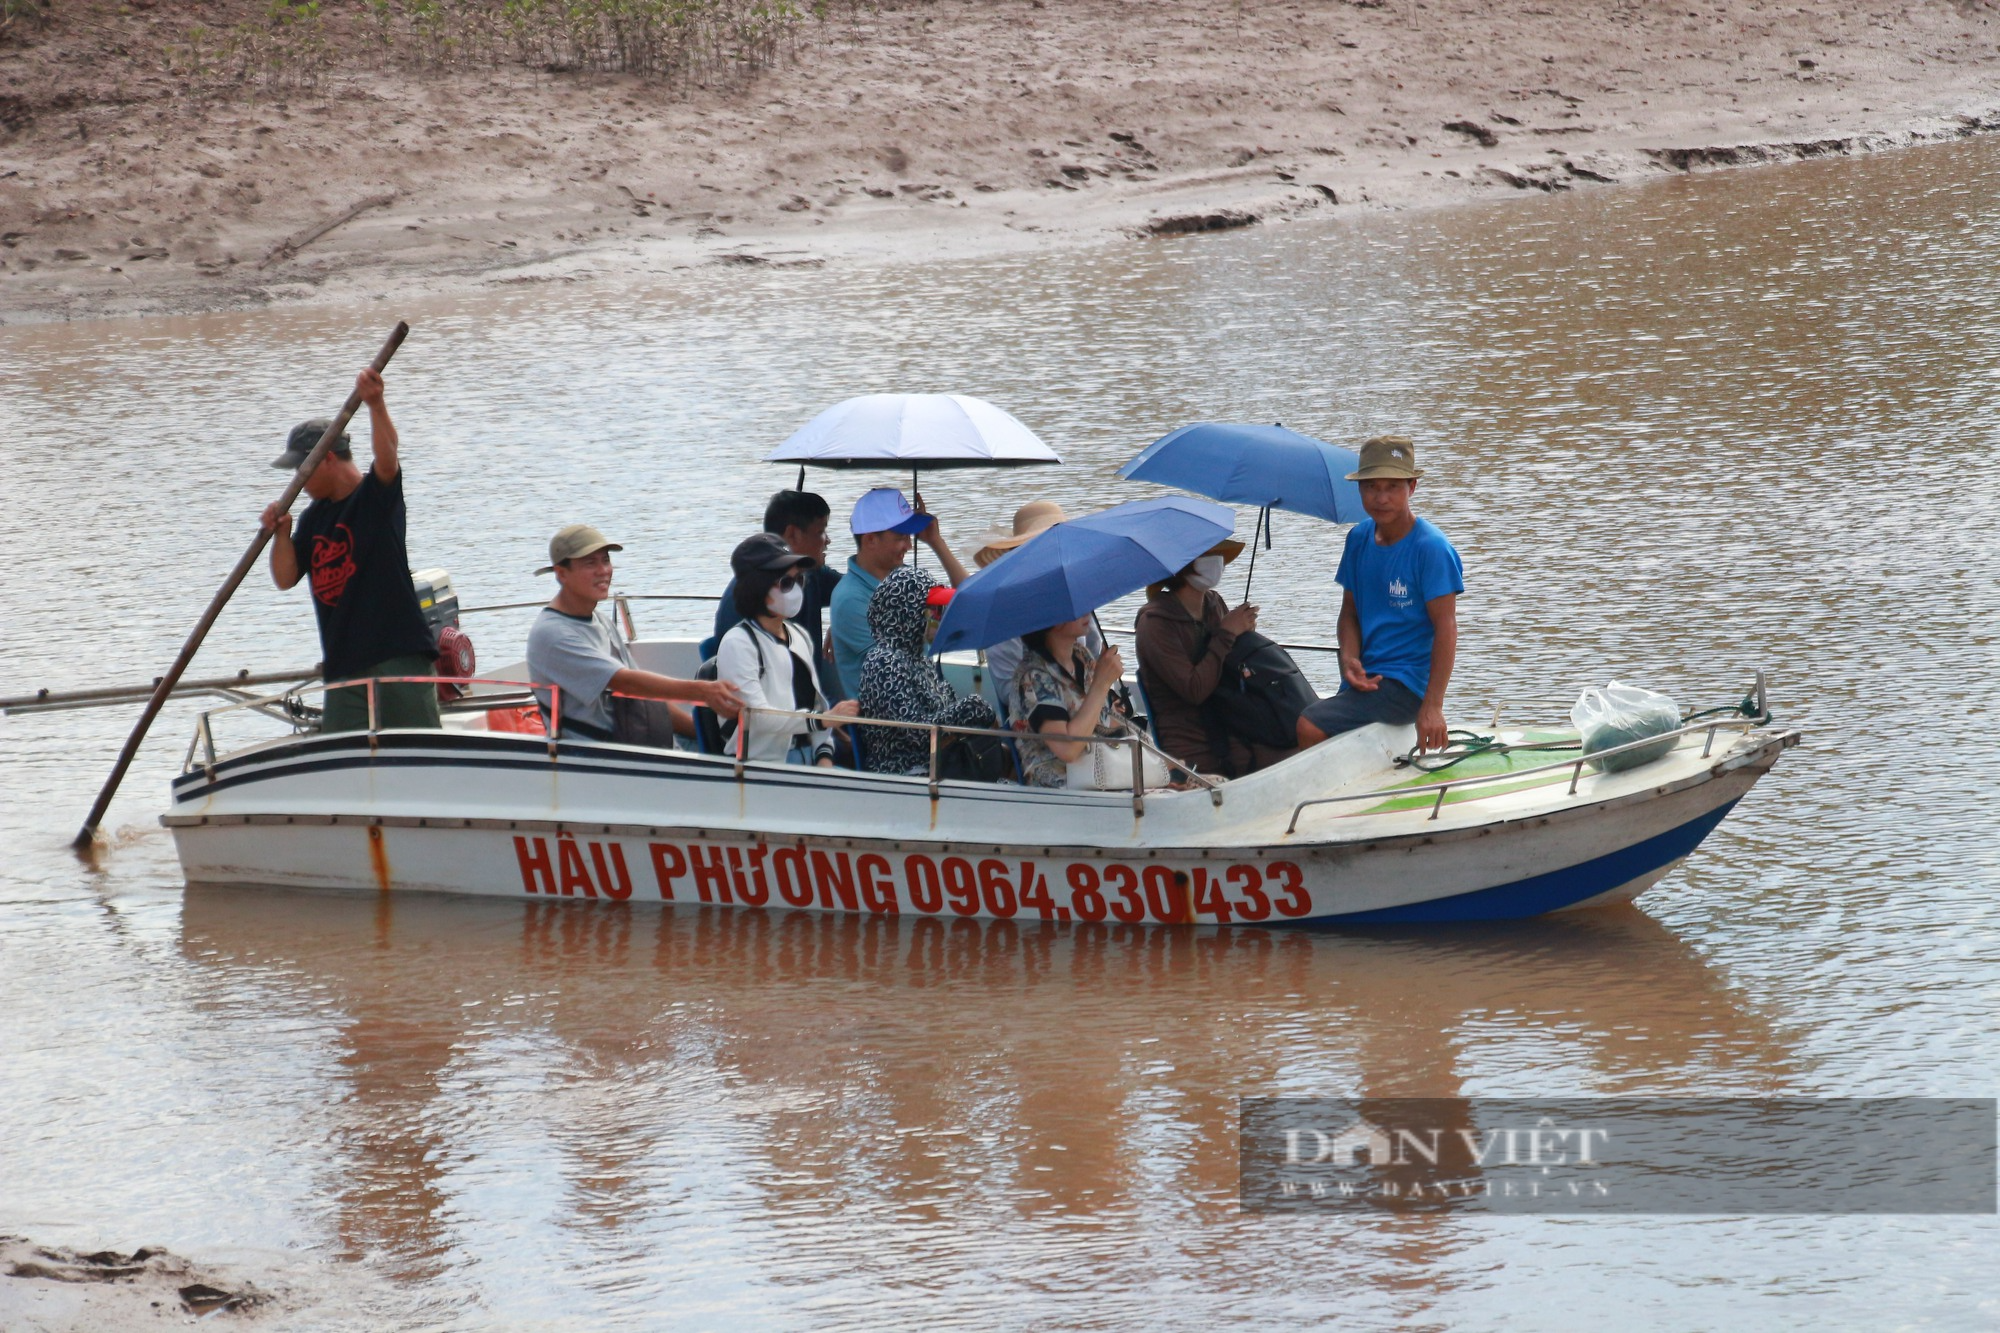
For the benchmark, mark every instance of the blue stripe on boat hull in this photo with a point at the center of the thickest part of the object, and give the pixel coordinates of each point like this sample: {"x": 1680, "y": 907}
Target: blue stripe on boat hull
{"x": 1555, "y": 890}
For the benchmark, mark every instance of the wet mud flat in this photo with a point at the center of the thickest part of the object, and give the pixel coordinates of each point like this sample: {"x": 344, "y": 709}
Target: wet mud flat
{"x": 48, "y": 1289}
{"x": 897, "y": 131}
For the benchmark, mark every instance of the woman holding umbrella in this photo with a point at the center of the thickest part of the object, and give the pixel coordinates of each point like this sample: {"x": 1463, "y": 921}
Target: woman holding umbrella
{"x": 1185, "y": 632}
{"x": 1056, "y": 580}
{"x": 1062, "y": 691}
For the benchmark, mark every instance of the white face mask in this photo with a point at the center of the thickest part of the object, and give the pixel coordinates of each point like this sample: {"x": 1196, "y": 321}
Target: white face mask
{"x": 786, "y": 602}
{"x": 1204, "y": 573}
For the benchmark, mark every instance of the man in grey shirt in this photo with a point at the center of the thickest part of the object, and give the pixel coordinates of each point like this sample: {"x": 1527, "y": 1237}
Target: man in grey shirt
{"x": 582, "y": 655}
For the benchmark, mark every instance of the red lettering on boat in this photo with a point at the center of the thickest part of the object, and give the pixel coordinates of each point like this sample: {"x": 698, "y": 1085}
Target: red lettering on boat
{"x": 1209, "y": 897}
{"x": 1167, "y": 894}
{"x": 1128, "y": 906}
{"x": 961, "y": 886}
{"x": 1250, "y": 881}
{"x": 794, "y": 881}
{"x": 1034, "y": 891}
{"x": 570, "y": 861}
{"x": 834, "y": 875}
{"x": 997, "y": 889}
{"x": 736, "y": 872}
{"x": 758, "y": 891}
{"x": 618, "y": 886}
{"x": 535, "y": 865}
{"x": 1084, "y": 897}
{"x": 878, "y": 884}
{"x": 668, "y": 866}
{"x": 711, "y": 875}
{"x": 926, "y": 890}
{"x": 1295, "y": 901}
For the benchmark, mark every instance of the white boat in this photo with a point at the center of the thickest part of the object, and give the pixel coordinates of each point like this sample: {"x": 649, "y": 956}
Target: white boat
{"x": 1337, "y": 834}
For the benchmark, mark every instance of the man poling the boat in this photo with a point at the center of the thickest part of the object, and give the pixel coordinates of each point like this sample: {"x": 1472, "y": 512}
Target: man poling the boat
{"x": 352, "y": 537}
{"x": 581, "y": 654}
{"x": 1400, "y": 579}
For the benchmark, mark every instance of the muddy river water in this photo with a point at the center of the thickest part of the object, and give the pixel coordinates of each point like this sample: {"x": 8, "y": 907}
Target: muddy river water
{"x": 1680, "y": 432}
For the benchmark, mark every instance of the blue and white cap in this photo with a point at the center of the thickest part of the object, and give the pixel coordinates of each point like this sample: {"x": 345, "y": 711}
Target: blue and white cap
{"x": 885, "y": 510}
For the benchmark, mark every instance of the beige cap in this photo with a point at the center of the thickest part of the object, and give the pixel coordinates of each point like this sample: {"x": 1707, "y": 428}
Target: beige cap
{"x": 1030, "y": 520}
{"x": 1391, "y": 456}
{"x": 575, "y": 541}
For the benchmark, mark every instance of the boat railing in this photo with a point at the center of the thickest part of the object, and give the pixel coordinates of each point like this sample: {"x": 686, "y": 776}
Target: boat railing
{"x": 1138, "y": 744}
{"x": 514, "y": 693}
{"x": 1575, "y": 767}
{"x": 516, "y": 690}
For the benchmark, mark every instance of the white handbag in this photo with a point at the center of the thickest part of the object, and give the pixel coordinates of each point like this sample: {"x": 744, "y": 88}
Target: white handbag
{"x": 1109, "y": 768}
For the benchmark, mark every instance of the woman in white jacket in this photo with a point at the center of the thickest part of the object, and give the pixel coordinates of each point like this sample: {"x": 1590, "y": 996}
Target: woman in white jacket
{"x": 770, "y": 660}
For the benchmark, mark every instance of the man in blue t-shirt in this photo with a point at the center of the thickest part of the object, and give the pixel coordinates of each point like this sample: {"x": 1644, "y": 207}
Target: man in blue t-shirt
{"x": 1400, "y": 580}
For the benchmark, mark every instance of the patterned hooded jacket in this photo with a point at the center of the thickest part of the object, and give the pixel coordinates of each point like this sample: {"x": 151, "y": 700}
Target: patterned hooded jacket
{"x": 899, "y": 683}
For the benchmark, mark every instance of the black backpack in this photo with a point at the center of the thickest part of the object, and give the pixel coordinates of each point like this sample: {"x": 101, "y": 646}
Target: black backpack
{"x": 1260, "y": 696}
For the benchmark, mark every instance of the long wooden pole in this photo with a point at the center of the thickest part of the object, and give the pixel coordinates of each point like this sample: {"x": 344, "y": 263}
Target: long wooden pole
{"x": 88, "y": 836}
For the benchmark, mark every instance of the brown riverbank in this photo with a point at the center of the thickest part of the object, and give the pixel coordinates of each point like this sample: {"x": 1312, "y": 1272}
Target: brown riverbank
{"x": 912, "y": 130}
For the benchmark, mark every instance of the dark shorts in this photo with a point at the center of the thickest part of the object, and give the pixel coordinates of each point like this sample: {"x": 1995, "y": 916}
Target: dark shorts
{"x": 395, "y": 705}
{"x": 1392, "y": 702}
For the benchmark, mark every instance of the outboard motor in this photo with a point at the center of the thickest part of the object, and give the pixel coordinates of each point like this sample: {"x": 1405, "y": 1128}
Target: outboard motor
{"x": 439, "y": 603}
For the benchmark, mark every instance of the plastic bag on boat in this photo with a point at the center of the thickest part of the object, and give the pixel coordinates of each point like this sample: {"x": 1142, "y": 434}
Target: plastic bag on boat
{"x": 1620, "y": 714}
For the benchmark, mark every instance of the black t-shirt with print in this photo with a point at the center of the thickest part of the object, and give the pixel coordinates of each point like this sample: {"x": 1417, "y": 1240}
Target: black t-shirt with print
{"x": 353, "y": 557}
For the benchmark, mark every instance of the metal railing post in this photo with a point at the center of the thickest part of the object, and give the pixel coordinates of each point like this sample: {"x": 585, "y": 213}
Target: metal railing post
{"x": 1138, "y": 781}
{"x": 371, "y": 714}
{"x": 934, "y": 761}
{"x": 624, "y": 605}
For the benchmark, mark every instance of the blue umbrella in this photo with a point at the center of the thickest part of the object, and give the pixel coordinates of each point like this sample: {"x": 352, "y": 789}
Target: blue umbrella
{"x": 1266, "y": 466}
{"x": 1075, "y": 567}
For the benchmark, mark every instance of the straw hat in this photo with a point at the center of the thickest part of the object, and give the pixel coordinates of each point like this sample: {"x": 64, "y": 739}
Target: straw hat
{"x": 1030, "y": 520}
{"x": 1228, "y": 548}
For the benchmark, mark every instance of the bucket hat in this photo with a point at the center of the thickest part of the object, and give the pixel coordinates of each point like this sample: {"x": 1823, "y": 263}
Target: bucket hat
{"x": 573, "y": 543}
{"x": 1387, "y": 456}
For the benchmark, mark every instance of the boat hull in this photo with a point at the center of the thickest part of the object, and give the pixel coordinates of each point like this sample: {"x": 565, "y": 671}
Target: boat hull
{"x": 1581, "y": 853}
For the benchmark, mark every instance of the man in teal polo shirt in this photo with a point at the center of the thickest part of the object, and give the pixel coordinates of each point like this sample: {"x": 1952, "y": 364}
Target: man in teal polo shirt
{"x": 1400, "y": 579}
{"x": 882, "y": 524}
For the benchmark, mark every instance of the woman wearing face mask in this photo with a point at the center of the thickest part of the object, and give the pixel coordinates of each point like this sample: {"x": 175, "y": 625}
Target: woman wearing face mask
{"x": 1185, "y": 630}
{"x": 770, "y": 660}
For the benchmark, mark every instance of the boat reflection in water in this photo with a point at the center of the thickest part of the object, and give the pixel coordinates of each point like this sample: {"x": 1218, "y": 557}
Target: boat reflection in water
{"x": 646, "y": 1079}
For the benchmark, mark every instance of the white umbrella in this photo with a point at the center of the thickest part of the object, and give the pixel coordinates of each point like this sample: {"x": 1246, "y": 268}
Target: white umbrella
{"x": 913, "y": 430}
